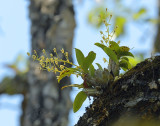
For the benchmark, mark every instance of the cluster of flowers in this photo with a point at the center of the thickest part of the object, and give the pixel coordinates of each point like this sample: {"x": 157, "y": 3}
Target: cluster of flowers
{"x": 107, "y": 38}
{"x": 52, "y": 63}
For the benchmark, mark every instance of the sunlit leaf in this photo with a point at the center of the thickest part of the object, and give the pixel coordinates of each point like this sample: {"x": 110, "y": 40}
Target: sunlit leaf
{"x": 134, "y": 61}
{"x": 88, "y": 61}
{"x": 114, "y": 46}
{"x": 124, "y": 49}
{"x": 120, "y": 22}
{"x": 79, "y": 56}
{"x": 78, "y": 101}
{"x": 66, "y": 72}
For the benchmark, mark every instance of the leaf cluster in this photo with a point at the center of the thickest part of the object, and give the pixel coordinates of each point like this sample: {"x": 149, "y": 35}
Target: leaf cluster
{"x": 93, "y": 79}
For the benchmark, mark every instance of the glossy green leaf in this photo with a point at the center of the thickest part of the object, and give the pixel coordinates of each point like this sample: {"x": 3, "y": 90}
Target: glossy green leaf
{"x": 79, "y": 56}
{"x": 88, "y": 61}
{"x": 91, "y": 70}
{"x": 112, "y": 55}
{"x": 120, "y": 22}
{"x": 99, "y": 66}
{"x": 78, "y": 101}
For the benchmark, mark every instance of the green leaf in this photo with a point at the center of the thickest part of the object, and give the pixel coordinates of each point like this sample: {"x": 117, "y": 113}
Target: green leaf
{"x": 120, "y": 22}
{"x": 124, "y": 64}
{"x": 79, "y": 56}
{"x": 88, "y": 61}
{"x": 125, "y": 58}
{"x": 102, "y": 46}
{"x": 133, "y": 61}
{"x": 112, "y": 55}
{"x": 114, "y": 46}
{"x": 124, "y": 53}
{"x": 124, "y": 69}
{"x": 74, "y": 69}
{"x": 108, "y": 51}
{"x": 73, "y": 85}
{"x": 124, "y": 49}
{"x": 99, "y": 66}
{"x": 91, "y": 70}
{"x": 141, "y": 12}
{"x": 80, "y": 98}
{"x": 66, "y": 72}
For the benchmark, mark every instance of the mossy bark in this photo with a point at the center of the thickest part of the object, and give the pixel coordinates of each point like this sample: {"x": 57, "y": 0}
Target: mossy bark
{"x": 135, "y": 94}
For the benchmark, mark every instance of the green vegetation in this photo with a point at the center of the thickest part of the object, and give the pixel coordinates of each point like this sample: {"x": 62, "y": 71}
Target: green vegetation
{"x": 93, "y": 79}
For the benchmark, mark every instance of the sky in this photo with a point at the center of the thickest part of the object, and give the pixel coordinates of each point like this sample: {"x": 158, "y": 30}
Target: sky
{"x": 15, "y": 39}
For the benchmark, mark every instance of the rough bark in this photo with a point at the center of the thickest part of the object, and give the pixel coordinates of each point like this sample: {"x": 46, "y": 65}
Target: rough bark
{"x": 135, "y": 94}
{"x": 52, "y": 26}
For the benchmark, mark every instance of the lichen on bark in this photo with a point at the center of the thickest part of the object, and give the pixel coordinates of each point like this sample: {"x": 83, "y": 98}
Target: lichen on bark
{"x": 136, "y": 93}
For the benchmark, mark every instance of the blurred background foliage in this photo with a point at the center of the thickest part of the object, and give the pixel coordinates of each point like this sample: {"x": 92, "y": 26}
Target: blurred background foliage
{"x": 134, "y": 13}
{"x": 122, "y": 14}
{"x": 20, "y": 65}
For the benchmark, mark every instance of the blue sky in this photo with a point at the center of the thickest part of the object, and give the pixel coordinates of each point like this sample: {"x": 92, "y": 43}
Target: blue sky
{"x": 15, "y": 39}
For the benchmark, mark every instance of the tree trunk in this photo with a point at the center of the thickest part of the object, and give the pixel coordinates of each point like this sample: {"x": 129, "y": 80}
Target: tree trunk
{"x": 52, "y": 26}
{"x": 157, "y": 39}
{"x": 135, "y": 96}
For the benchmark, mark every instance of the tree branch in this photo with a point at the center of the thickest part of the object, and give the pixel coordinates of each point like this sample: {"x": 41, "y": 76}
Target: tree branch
{"x": 14, "y": 85}
{"x": 136, "y": 93}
